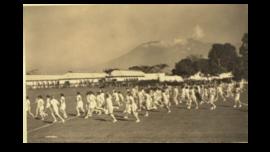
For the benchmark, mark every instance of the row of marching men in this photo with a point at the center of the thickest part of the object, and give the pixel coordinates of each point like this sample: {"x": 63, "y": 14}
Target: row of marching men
{"x": 140, "y": 99}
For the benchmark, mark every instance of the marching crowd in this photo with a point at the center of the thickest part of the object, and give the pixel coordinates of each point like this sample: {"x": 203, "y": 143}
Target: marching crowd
{"x": 137, "y": 100}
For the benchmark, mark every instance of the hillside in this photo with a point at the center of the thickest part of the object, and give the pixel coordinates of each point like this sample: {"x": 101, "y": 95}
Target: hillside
{"x": 156, "y": 52}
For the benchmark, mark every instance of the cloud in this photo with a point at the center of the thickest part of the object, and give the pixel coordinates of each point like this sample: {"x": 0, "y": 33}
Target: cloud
{"x": 198, "y": 32}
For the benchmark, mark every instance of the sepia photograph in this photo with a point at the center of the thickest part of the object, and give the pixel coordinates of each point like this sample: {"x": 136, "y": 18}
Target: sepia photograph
{"x": 135, "y": 73}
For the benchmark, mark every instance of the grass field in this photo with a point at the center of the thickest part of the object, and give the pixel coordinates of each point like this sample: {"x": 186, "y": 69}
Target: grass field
{"x": 224, "y": 124}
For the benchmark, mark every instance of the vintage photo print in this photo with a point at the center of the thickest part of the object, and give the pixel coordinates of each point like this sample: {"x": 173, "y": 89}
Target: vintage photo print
{"x": 135, "y": 73}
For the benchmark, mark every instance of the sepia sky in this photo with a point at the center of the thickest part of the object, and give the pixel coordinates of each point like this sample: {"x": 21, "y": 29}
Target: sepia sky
{"x": 73, "y": 37}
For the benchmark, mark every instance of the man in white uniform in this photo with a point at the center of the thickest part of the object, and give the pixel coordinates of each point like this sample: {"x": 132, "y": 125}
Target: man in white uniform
{"x": 109, "y": 106}
{"x": 237, "y": 97}
{"x": 193, "y": 98}
{"x": 141, "y": 98}
{"x": 212, "y": 95}
{"x": 63, "y": 105}
{"x": 91, "y": 99}
{"x": 40, "y": 108}
{"x": 175, "y": 95}
{"x": 133, "y": 107}
{"x": 100, "y": 103}
{"x": 79, "y": 104}
{"x": 166, "y": 101}
{"x": 116, "y": 99}
{"x": 48, "y": 106}
{"x": 28, "y": 107}
{"x": 148, "y": 102}
{"x": 54, "y": 105}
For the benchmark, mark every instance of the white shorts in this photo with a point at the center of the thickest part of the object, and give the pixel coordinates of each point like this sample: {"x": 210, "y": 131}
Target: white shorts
{"x": 92, "y": 105}
{"x": 211, "y": 99}
{"x": 41, "y": 109}
{"x": 110, "y": 109}
{"x": 128, "y": 108}
{"x": 79, "y": 104}
{"x": 134, "y": 108}
{"x": 63, "y": 107}
{"x": 28, "y": 108}
{"x": 166, "y": 102}
{"x": 237, "y": 97}
{"x": 194, "y": 99}
{"x": 148, "y": 104}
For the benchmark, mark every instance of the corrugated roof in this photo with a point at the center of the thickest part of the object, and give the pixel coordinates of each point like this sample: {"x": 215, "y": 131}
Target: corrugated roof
{"x": 42, "y": 77}
{"x": 134, "y": 73}
{"x": 65, "y": 76}
{"x": 83, "y": 75}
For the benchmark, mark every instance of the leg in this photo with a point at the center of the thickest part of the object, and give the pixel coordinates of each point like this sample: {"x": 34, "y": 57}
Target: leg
{"x": 136, "y": 116}
{"x": 175, "y": 100}
{"x": 168, "y": 108}
{"x": 54, "y": 118}
{"x": 65, "y": 114}
{"x": 78, "y": 111}
{"x": 62, "y": 119}
{"x": 114, "y": 120}
{"x": 30, "y": 113}
{"x": 37, "y": 110}
{"x": 213, "y": 105}
{"x": 196, "y": 103}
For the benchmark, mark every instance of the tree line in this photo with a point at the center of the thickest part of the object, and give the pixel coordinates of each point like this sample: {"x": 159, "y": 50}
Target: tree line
{"x": 221, "y": 58}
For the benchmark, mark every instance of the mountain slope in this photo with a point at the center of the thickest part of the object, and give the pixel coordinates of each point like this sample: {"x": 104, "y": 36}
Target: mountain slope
{"x": 157, "y": 52}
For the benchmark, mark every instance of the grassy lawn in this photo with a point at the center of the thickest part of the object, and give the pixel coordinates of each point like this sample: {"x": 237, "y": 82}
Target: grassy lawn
{"x": 225, "y": 124}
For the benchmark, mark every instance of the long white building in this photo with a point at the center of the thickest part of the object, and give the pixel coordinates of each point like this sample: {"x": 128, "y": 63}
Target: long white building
{"x": 125, "y": 75}
{"x": 84, "y": 79}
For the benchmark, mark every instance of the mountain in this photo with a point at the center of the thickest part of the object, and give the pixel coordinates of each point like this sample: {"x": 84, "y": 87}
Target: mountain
{"x": 157, "y": 52}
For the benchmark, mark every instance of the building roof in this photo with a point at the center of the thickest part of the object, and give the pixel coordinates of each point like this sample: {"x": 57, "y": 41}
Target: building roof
{"x": 132, "y": 73}
{"x": 172, "y": 78}
{"x": 198, "y": 76}
{"x": 65, "y": 76}
{"x": 226, "y": 75}
{"x": 41, "y": 77}
{"x": 83, "y": 75}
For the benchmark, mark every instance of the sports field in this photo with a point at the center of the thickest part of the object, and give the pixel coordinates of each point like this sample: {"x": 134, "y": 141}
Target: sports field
{"x": 224, "y": 124}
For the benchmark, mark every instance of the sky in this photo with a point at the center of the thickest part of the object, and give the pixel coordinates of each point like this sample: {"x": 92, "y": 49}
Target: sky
{"x": 73, "y": 37}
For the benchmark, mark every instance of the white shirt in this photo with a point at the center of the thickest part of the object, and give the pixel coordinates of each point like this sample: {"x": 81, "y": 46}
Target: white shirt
{"x": 141, "y": 96}
{"x": 92, "y": 98}
{"x": 165, "y": 97}
{"x": 27, "y": 102}
{"x": 121, "y": 97}
{"x": 131, "y": 100}
{"x": 148, "y": 97}
{"x": 54, "y": 103}
{"x": 116, "y": 96}
{"x": 48, "y": 104}
{"x": 40, "y": 102}
{"x": 176, "y": 91}
{"x": 193, "y": 93}
{"x": 62, "y": 100}
{"x": 109, "y": 102}
{"x": 79, "y": 98}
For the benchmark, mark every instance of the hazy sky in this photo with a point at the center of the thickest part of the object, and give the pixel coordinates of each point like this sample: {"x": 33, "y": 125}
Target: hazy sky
{"x": 61, "y": 38}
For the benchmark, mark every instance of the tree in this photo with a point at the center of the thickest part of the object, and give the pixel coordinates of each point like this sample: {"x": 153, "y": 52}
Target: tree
{"x": 185, "y": 68}
{"x": 110, "y": 70}
{"x": 149, "y": 69}
{"x": 142, "y": 68}
{"x": 222, "y": 58}
{"x": 34, "y": 71}
{"x": 243, "y": 51}
{"x": 238, "y": 71}
{"x": 202, "y": 64}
